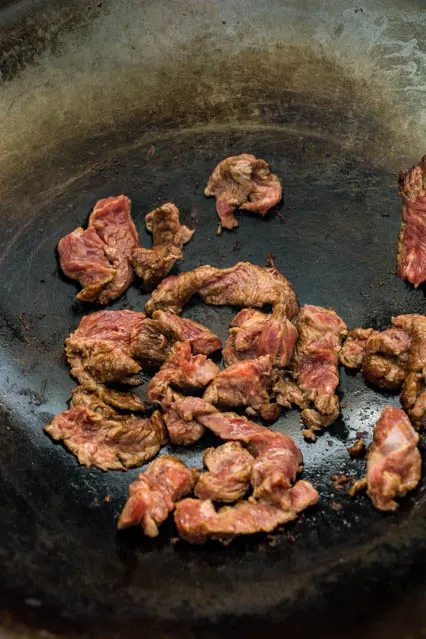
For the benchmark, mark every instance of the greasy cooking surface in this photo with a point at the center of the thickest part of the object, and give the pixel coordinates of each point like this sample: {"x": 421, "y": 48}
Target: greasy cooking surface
{"x": 334, "y": 239}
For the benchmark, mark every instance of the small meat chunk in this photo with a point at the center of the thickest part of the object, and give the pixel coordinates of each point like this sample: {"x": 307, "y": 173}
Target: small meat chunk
{"x": 229, "y": 472}
{"x": 353, "y": 349}
{"x": 168, "y": 239}
{"x": 99, "y": 436}
{"x": 385, "y": 361}
{"x": 357, "y": 449}
{"x": 413, "y": 396}
{"x": 248, "y": 383}
{"x": 197, "y": 521}
{"x": 411, "y": 255}
{"x": 203, "y": 341}
{"x": 394, "y": 461}
{"x": 254, "y": 334}
{"x": 100, "y": 256}
{"x": 243, "y": 182}
{"x": 244, "y": 284}
{"x": 153, "y": 495}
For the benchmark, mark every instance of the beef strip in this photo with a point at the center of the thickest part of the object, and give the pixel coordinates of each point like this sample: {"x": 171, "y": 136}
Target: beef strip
{"x": 315, "y": 369}
{"x": 99, "y": 436}
{"x": 411, "y": 255}
{"x": 393, "y": 462}
{"x": 202, "y": 340}
{"x": 244, "y": 284}
{"x": 99, "y": 257}
{"x": 153, "y": 495}
{"x": 229, "y": 471}
{"x": 243, "y": 182}
{"x": 168, "y": 239}
{"x": 413, "y": 396}
{"x": 353, "y": 349}
{"x": 247, "y": 383}
{"x": 254, "y": 334}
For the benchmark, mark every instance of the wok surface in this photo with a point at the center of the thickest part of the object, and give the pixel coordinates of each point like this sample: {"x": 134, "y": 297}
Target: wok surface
{"x": 115, "y": 101}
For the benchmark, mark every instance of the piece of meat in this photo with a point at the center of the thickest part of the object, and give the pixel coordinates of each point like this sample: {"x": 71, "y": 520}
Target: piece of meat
{"x": 99, "y": 436}
{"x": 203, "y": 341}
{"x": 413, "y": 396}
{"x": 357, "y": 449}
{"x": 153, "y": 495}
{"x": 394, "y": 461}
{"x": 288, "y": 393}
{"x": 244, "y": 284}
{"x": 254, "y": 334}
{"x": 229, "y": 472}
{"x": 168, "y": 239}
{"x": 100, "y": 256}
{"x": 315, "y": 368}
{"x": 353, "y": 349}
{"x": 385, "y": 361}
{"x": 411, "y": 255}
{"x": 243, "y": 182}
{"x": 197, "y": 521}
{"x": 247, "y": 383}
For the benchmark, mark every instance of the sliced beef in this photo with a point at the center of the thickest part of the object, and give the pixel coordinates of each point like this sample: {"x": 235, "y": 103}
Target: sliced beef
{"x": 413, "y": 396}
{"x": 198, "y": 521}
{"x": 243, "y": 182}
{"x": 353, "y": 350}
{"x": 394, "y": 461}
{"x": 254, "y": 334}
{"x": 315, "y": 368}
{"x": 411, "y": 256}
{"x": 203, "y": 341}
{"x": 248, "y": 383}
{"x": 229, "y": 472}
{"x": 168, "y": 239}
{"x": 153, "y": 495}
{"x": 244, "y": 284}
{"x": 99, "y": 436}
{"x": 100, "y": 256}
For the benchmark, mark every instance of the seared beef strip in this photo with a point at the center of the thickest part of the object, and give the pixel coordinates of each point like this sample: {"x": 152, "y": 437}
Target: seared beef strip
{"x": 152, "y": 497}
{"x": 353, "y": 349}
{"x": 243, "y": 182}
{"x": 247, "y": 383}
{"x": 315, "y": 368}
{"x": 99, "y": 436}
{"x": 229, "y": 472}
{"x": 254, "y": 334}
{"x": 413, "y": 396}
{"x": 393, "y": 462}
{"x": 168, "y": 239}
{"x": 411, "y": 256}
{"x": 244, "y": 284}
{"x": 99, "y": 257}
{"x": 202, "y": 340}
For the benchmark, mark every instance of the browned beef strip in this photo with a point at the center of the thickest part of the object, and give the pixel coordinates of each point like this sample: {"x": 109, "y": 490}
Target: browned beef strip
{"x": 385, "y": 360}
{"x": 99, "y": 257}
{"x": 413, "y": 396}
{"x": 153, "y": 495}
{"x": 99, "y": 436}
{"x": 243, "y": 182}
{"x": 168, "y": 239}
{"x": 244, "y": 284}
{"x": 203, "y": 341}
{"x": 315, "y": 368}
{"x": 247, "y": 383}
{"x": 353, "y": 349}
{"x": 254, "y": 334}
{"x": 229, "y": 472}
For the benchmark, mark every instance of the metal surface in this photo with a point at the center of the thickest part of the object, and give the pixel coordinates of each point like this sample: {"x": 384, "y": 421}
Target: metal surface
{"x": 145, "y": 99}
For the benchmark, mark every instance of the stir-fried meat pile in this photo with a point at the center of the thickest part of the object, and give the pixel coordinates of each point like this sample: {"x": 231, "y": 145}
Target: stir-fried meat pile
{"x": 227, "y": 479}
{"x": 152, "y": 497}
{"x": 411, "y": 257}
{"x": 247, "y": 383}
{"x": 100, "y": 256}
{"x": 315, "y": 376}
{"x": 243, "y": 182}
{"x": 99, "y": 436}
{"x": 244, "y": 284}
{"x": 168, "y": 239}
{"x": 394, "y": 462}
{"x": 254, "y": 334}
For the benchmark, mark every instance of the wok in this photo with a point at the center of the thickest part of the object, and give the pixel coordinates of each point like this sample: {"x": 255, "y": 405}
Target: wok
{"x": 144, "y": 98}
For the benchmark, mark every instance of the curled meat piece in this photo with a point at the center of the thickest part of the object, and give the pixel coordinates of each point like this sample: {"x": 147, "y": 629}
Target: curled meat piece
{"x": 244, "y": 284}
{"x": 203, "y": 341}
{"x": 153, "y": 495}
{"x": 99, "y": 436}
{"x": 247, "y": 383}
{"x": 168, "y": 239}
{"x": 100, "y": 256}
{"x": 243, "y": 182}
{"x": 385, "y": 360}
{"x": 394, "y": 462}
{"x": 413, "y": 396}
{"x": 254, "y": 334}
{"x": 411, "y": 255}
{"x": 353, "y": 349}
{"x": 229, "y": 471}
